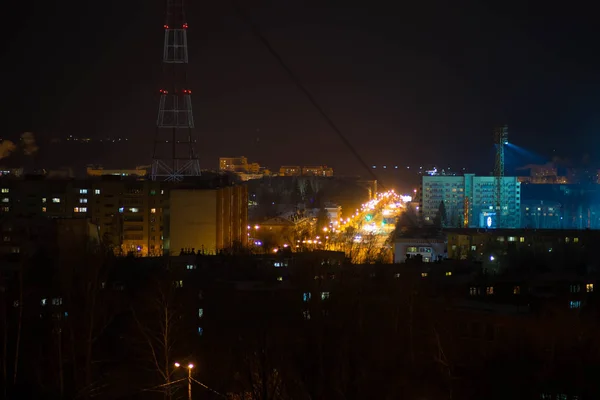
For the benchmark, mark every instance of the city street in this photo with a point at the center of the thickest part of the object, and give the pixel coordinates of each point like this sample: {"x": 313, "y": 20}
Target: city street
{"x": 365, "y": 235}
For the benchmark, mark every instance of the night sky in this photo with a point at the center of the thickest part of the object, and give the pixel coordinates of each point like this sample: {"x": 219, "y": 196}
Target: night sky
{"x": 407, "y": 82}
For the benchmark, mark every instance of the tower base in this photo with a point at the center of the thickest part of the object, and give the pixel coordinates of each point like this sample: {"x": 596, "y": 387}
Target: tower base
{"x": 176, "y": 172}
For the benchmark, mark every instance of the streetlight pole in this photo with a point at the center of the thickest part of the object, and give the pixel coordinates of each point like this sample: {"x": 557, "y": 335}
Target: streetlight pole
{"x": 189, "y": 367}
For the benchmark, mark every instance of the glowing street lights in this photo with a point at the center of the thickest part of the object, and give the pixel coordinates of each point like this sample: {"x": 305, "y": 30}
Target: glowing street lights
{"x": 189, "y": 367}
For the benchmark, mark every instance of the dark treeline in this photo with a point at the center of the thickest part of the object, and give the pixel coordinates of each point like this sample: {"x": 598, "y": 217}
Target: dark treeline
{"x": 81, "y": 324}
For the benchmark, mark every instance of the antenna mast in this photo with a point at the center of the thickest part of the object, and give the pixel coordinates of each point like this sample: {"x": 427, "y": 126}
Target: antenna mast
{"x": 500, "y": 139}
{"x": 174, "y": 156}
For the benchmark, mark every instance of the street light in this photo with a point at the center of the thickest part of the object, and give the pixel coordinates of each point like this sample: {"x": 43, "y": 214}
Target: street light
{"x": 189, "y": 367}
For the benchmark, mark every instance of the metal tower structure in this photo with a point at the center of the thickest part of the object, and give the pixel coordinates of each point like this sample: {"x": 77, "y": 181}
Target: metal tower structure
{"x": 174, "y": 156}
{"x": 500, "y": 140}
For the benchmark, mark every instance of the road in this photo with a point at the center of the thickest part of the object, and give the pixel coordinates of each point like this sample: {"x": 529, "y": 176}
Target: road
{"x": 365, "y": 235}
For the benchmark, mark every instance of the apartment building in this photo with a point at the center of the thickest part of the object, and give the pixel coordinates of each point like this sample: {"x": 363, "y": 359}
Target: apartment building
{"x": 480, "y": 204}
{"x": 131, "y": 215}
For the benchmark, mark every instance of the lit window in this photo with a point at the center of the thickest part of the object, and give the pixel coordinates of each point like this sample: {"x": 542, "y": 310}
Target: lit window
{"x": 82, "y": 200}
{"x": 575, "y": 240}
{"x": 43, "y": 199}
{"x": 121, "y": 209}
{"x": 423, "y": 274}
{"x": 153, "y": 211}
{"x": 306, "y": 296}
{"x": 397, "y": 275}
{"x": 522, "y": 239}
{"x": 473, "y": 291}
{"x": 55, "y": 200}
{"x": 473, "y": 248}
{"x": 200, "y": 312}
{"x": 57, "y": 301}
{"x": 44, "y": 302}
{"x": 517, "y": 290}
{"x": 280, "y": 278}
{"x": 162, "y": 192}
{"x": 6, "y": 200}
{"x": 512, "y": 239}
{"x": 133, "y": 209}
{"x": 43, "y": 209}
{"x": 567, "y": 240}
{"x": 5, "y": 190}
{"x": 178, "y": 284}
{"x": 5, "y": 209}
{"x": 80, "y": 209}
{"x": 575, "y": 304}
{"x": 489, "y": 290}
{"x": 82, "y": 191}
{"x": 448, "y": 273}
{"x": 306, "y": 314}
{"x": 96, "y": 191}
{"x": 589, "y": 287}
{"x": 200, "y": 331}
{"x": 324, "y": 295}
{"x": 191, "y": 266}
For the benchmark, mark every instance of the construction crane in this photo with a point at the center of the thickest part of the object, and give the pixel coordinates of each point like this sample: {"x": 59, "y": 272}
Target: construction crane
{"x": 500, "y": 140}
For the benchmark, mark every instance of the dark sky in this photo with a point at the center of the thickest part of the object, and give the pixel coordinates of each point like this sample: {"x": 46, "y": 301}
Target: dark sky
{"x": 408, "y": 82}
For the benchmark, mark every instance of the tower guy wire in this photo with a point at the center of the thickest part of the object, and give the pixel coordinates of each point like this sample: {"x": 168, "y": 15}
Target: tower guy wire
{"x": 257, "y": 32}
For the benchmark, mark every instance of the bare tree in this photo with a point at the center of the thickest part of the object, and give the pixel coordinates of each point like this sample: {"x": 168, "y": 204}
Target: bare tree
{"x": 157, "y": 322}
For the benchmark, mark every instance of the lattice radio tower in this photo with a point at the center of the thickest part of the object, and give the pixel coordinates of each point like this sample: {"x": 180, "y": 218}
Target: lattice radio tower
{"x": 500, "y": 140}
{"x": 174, "y": 156}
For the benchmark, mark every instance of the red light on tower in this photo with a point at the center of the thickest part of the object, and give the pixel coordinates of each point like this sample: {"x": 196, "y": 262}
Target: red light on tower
{"x": 166, "y": 26}
{"x": 185, "y": 26}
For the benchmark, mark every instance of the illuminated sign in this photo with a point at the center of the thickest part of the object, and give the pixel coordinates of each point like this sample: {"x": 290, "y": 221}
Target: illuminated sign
{"x": 487, "y": 220}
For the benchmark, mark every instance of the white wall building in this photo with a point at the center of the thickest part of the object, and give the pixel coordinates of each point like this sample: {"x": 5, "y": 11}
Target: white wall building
{"x": 481, "y": 194}
{"x": 430, "y": 249}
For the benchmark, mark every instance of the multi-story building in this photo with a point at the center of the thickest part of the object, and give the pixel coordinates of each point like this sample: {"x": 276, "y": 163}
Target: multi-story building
{"x": 541, "y": 214}
{"x": 242, "y": 168}
{"x": 233, "y": 164}
{"x": 132, "y": 215}
{"x": 62, "y": 235}
{"x": 472, "y": 199}
{"x": 290, "y": 170}
{"x": 317, "y": 171}
{"x": 207, "y": 220}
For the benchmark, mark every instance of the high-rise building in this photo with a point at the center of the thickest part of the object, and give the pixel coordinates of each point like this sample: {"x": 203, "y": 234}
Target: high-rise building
{"x": 480, "y": 203}
{"x": 208, "y": 220}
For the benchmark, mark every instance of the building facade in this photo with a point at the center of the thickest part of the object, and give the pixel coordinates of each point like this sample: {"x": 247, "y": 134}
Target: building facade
{"x": 469, "y": 200}
{"x": 207, "y": 221}
{"x": 429, "y": 249}
{"x": 132, "y": 215}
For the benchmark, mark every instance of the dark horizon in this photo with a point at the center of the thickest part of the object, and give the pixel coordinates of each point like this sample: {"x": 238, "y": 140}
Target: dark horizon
{"x": 417, "y": 84}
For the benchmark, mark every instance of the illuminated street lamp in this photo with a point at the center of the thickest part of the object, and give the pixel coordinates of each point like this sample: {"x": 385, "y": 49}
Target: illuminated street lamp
{"x": 189, "y": 367}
